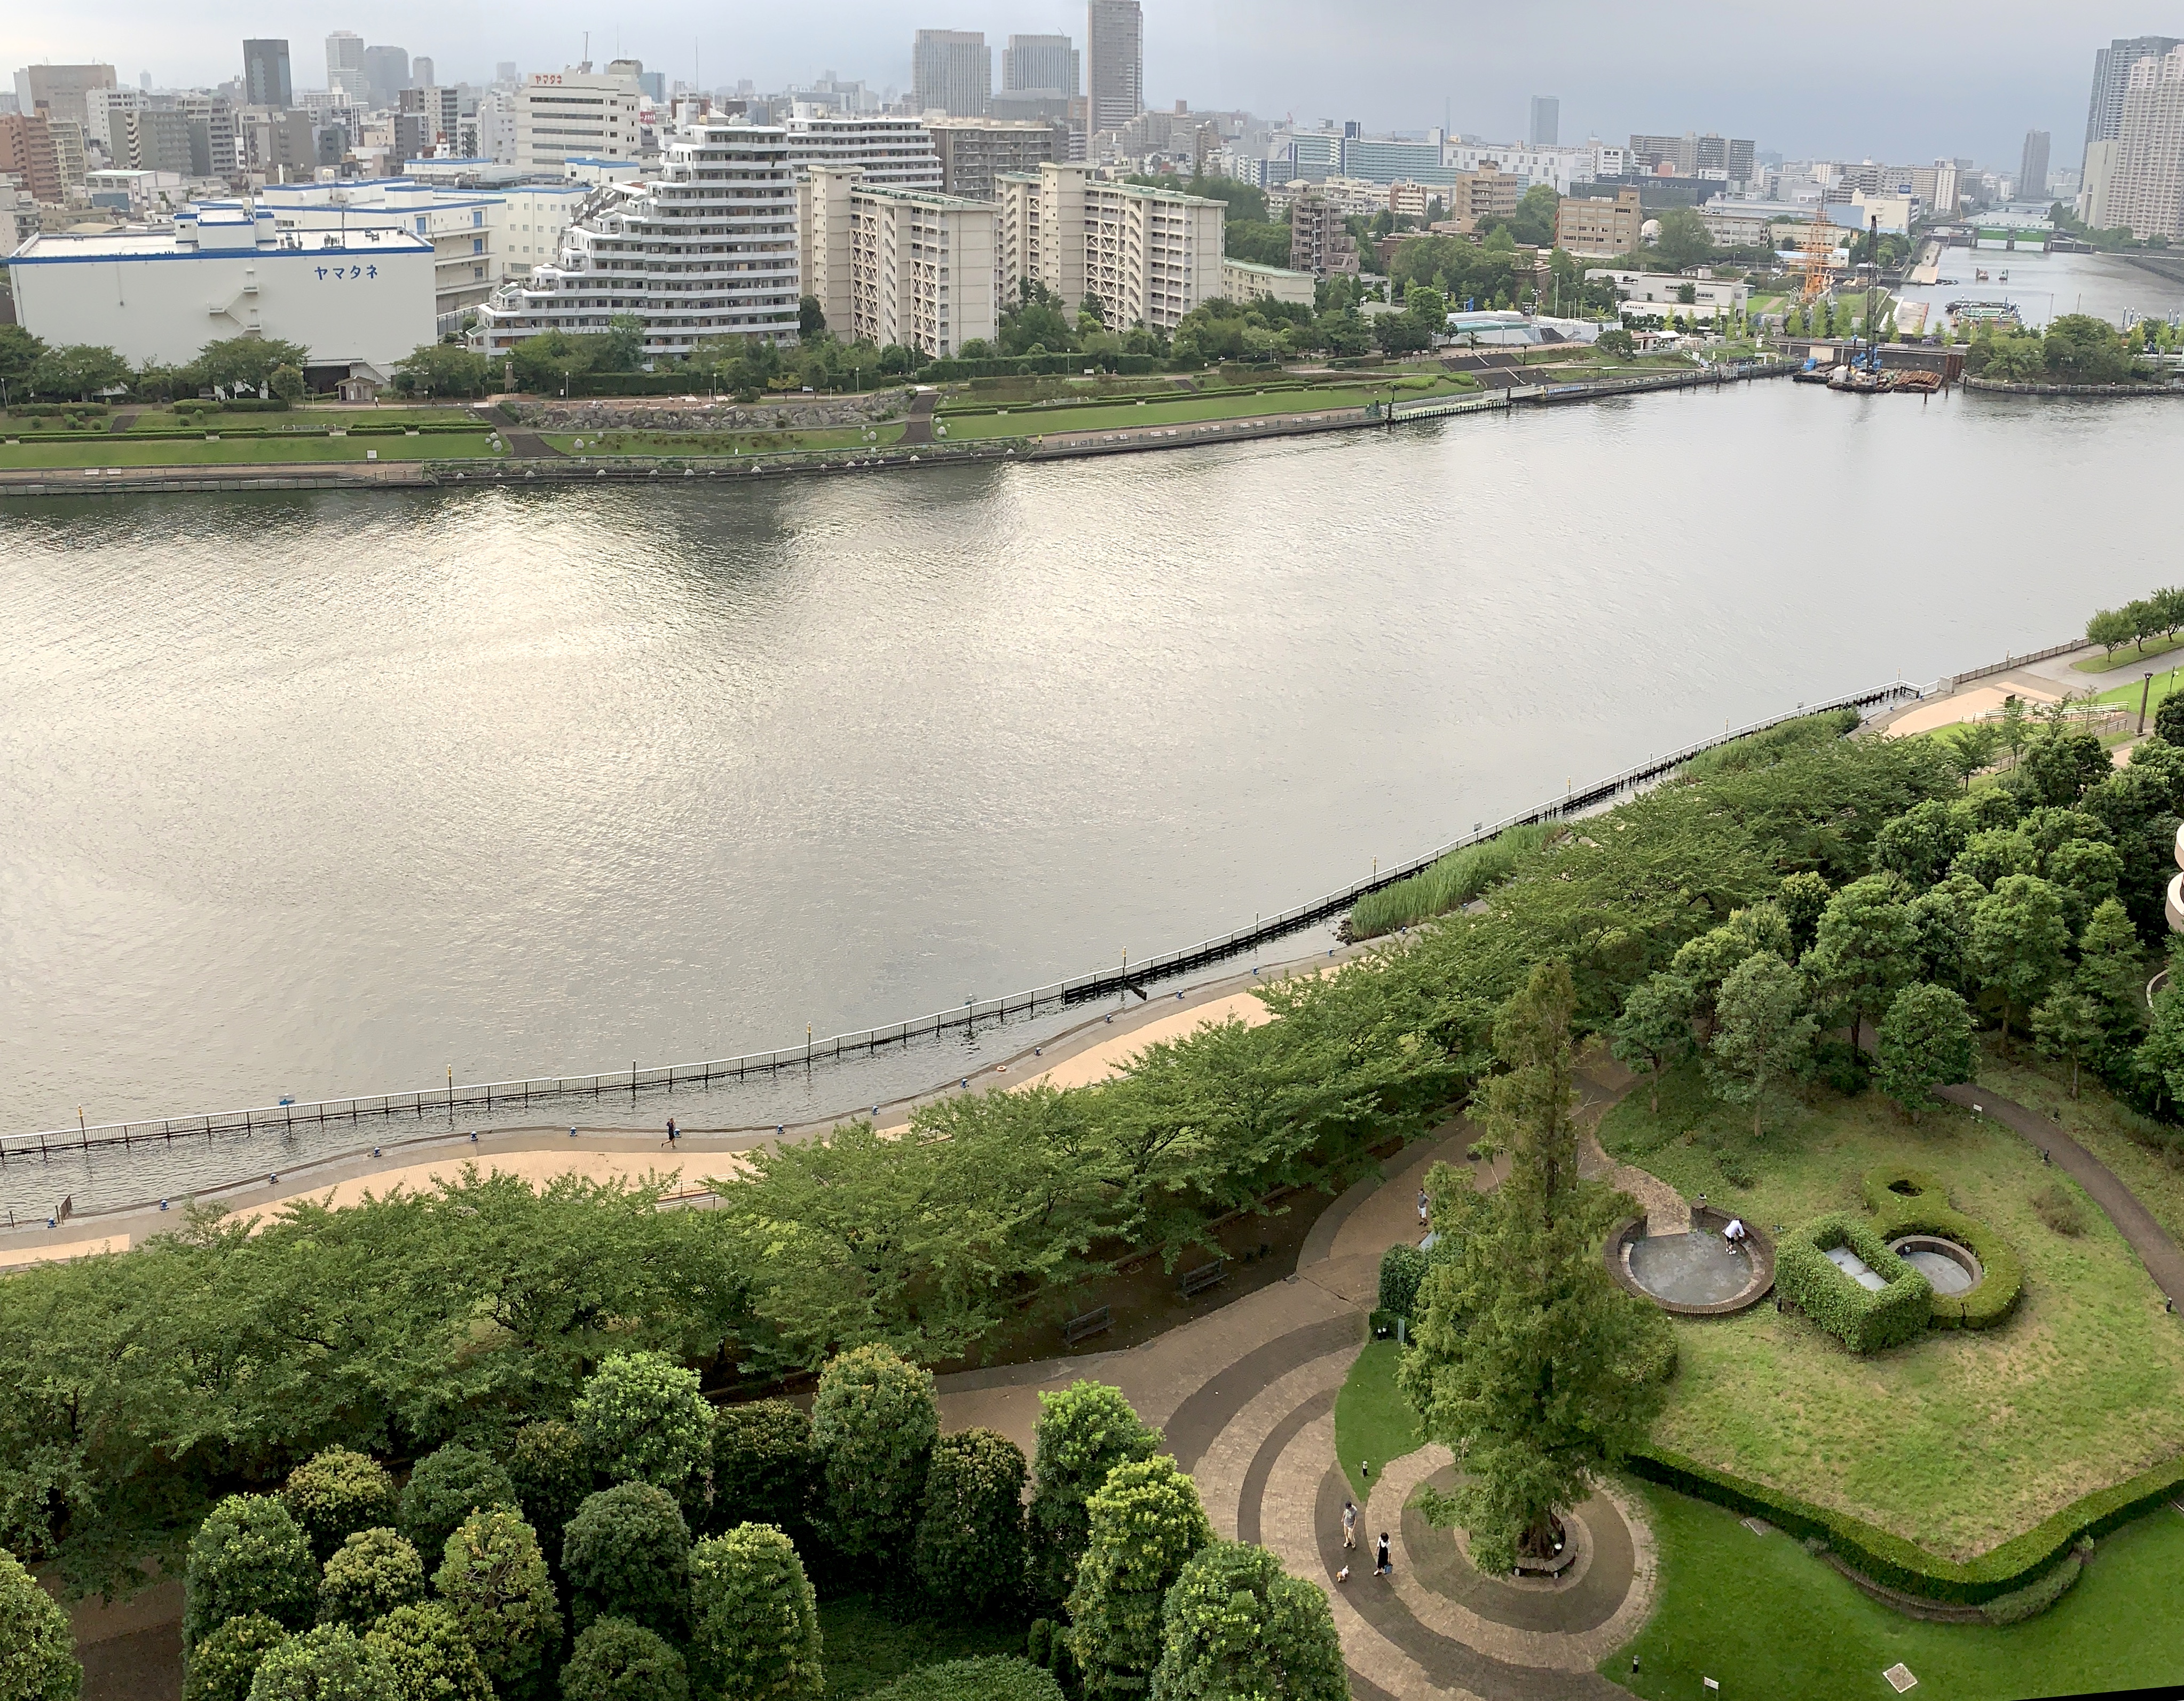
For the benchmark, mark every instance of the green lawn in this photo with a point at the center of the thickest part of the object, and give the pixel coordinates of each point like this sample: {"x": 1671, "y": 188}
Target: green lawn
{"x": 119, "y": 451}
{"x": 1770, "y": 1622}
{"x": 866, "y": 1647}
{"x": 2127, "y": 654}
{"x": 1188, "y": 411}
{"x": 1371, "y": 1421}
{"x": 2103, "y": 1126}
{"x": 2128, "y": 696}
{"x": 1959, "y": 1440}
{"x": 666, "y": 443}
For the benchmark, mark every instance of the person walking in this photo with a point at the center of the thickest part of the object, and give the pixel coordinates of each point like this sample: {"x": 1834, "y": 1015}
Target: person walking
{"x": 1424, "y": 1219}
{"x": 1382, "y": 1565}
{"x": 1350, "y": 1523}
{"x": 671, "y": 1130}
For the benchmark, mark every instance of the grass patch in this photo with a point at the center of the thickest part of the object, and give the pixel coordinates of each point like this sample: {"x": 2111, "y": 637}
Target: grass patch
{"x": 1956, "y": 1440}
{"x": 1455, "y": 879}
{"x": 1372, "y": 1424}
{"x": 118, "y": 450}
{"x": 1764, "y": 1618}
{"x": 685, "y": 443}
{"x": 868, "y": 1648}
{"x": 2147, "y": 1156}
{"x": 2129, "y": 653}
{"x": 1191, "y": 410}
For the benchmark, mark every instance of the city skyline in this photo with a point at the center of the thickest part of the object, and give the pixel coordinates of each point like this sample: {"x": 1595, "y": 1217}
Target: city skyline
{"x": 1288, "y": 58}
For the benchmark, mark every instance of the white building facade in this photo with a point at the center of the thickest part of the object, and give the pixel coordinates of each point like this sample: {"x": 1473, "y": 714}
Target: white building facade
{"x": 468, "y": 229}
{"x": 702, "y": 250}
{"x": 558, "y": 114}
{"x": 898, "y": 266}
{"x": 353, "y": 298}
{"x": 897, "y": 151}
{"x": 1148, "y": 255}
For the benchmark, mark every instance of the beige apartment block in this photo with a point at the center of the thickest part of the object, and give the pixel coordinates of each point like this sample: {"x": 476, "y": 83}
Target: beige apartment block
{"x": 2146, "y": 190}
{"x": 1585, "y": 226}
{"x": 1148, "y": 255}
{"x": 897, "y": 266}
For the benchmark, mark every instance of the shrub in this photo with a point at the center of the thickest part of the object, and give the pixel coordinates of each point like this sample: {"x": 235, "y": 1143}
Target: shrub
{"x": 1925, "y": 1210}
{"x": 990, "y": 1677}
{"x": 644, "y": 1420}
{"x": 425, "y": 1655}
{"x": 1866, "y": 1320}
{"x": 873, "y": 1422}
{"x": 446, "y": 1487}
{"x": 335, "y": 1494}
{"x": 1767, "y": 748}
{"x": 763, "y": 1466}
{"x": 1402, "y": 1269}
{"x": 225, "y": 1662}
{"x": 755, "y": 1621}
{"x": 617, "y": 1660}
{"x": 1146, "y": 1523}
{"x": 2055, "y": 1206}
{"x": 328, "y": 1663}
{"x": 969, "y": 1553}
{"x": 374, "y": 1572}
{"x": 1445, "y": 884}
{"x": 1235, "y": 1625}
{"x": 248, "y": 1556}
{"x": 37, "y": 1649}
{"x": 1085, "y": 1431}
{"x": 494, "y": 1580}
{"x": 2035, "y": 1598}
{"x": 553, "y": 1472}
{"x": 626, "y": 1554}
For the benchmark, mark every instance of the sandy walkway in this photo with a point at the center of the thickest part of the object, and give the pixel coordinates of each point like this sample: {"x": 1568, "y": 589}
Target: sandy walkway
{"x": 1108, "y": 1058}
{"x": 1967, "y": 705}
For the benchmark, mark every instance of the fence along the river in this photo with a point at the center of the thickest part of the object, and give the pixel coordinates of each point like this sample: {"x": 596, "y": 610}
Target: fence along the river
{"x": 1124, "y": 977}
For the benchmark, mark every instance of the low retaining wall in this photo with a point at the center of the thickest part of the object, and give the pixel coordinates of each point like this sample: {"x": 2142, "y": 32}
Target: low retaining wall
{"x": 1759, "y": 1248}
{"x": 2107, "y": 392}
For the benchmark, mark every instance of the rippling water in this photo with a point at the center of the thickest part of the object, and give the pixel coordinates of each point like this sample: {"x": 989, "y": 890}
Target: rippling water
{"x": 314, "y": 794}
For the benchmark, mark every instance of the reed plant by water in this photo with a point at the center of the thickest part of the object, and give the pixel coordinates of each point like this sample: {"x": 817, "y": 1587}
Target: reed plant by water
{"x": 1456, "y": 879}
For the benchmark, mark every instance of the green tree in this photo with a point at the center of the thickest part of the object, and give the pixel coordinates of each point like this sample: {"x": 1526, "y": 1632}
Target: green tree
{"x": 1534, "y": 1369}
{"x": 617, "y": 1660}
{"x": 247, "y": 362}
{"x": 544, "y": 363}
{"x": 1146, "y": 1523}
{"x": 643, "y": 1418}
{"x": 247, "y": 1556}
{"x": 1236, "y": 1628}
{"x": 764, "y": 1467}
{"x": 1685, "y": 241}
{"x": 1655, "y": 1028}
{"x": 2110, "y": 628}
{"x": 494, "y": 1579}
{"x": 1765, "y": 1033}
{"x": 2111, "y": 969}
{"x": 969, "y": 1552}
{"x": 328, "y": 1663}
{"x": 425, "y": 1656}
{"x": 1534, "y": 223}
{"x": 2081, "y": 349}
{"x": 1918, "y": 845}
{"x": 19, "y": 354}
{"x": 622, "y": 349}
{"x": 2067, "y": 1024}
{"x": 225, "y": 1662}
{"x": 873, "y": 1421}
{"x": 1085, "y": 1431}
{"x": 1402, "y": 1274}
{"x": 37, "y": 1649}
{"x": 810, "y": 316}
{"x": 371, "y": 1574}
{"x": 1922, "y": 1042}
{"x": 81, "y": 370}
{"x": 2018, "y": 943}
{"x": 552, "y": 1471}
{"x": 626, "y": 1554}
{"x": 2169, "y": 720}
{"x": 447, "y": 1487}
{"x": 444, "y": 369}
{"x": 1710, "y": 959}
{"x": 1803, "y": 900}
{"x": 755, "y": 1621}
{"x": 336, "y": 1492}
{"x": 286, "y": 383}
{"x": 2063, "y": 765}
{"x": 1867, "y": 947}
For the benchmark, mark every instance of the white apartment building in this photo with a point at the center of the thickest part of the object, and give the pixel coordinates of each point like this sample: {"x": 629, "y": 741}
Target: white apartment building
{"x": 105, "y": 119}
{"x": 539, "y": 215}
{"x": 891, "y": 265}
{"x": 2146, "y": 183}
{"x": 1243, "y": 280}
{"x": 558, "y": 114}
{"x": 352, "y": 298}
{"x": 702, "y": 249}
{"x": 894, "y": 151}
{"x": 1149, "y": 255}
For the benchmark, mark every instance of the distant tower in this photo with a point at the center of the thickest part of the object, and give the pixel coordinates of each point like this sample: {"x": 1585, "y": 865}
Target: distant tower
{"x": 1546, "y": 127}
{"x": 2032, "y": 173}
{"x": 265, "y": 74}
{"x": 1115, "y": 46}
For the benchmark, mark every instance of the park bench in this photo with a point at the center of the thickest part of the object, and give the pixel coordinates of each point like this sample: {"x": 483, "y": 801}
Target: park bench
{"x": 1198, "y": 1281}
{"x": 1088, "y": 1324}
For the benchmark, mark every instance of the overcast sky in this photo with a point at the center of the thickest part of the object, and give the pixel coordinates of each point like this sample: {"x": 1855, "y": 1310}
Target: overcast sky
{"x": 1847, "y": 81}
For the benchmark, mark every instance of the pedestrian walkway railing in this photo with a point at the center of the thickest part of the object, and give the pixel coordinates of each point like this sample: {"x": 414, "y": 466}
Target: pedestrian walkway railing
{"x": 1122, "y": 979}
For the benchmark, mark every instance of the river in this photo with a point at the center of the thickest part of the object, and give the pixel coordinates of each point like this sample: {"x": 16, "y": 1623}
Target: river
{"x": 316, "y": 794}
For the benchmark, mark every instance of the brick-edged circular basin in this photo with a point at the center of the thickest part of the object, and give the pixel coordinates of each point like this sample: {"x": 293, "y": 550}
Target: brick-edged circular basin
{"x": 1694, "y": 1273}
{"x": 1949, "y": 1268}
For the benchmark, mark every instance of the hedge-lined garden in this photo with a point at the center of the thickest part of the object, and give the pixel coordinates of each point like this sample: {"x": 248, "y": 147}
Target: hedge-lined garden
{"x": 1865, "y": 1320}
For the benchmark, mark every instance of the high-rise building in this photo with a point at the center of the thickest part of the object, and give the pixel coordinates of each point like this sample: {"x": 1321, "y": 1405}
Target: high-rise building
{"x": 386, "y": 74}
{"x": 57, "y": 91}
{"x": 1041, "y": 64}
{"x": 265, "y": 74}
{"x": 973, "y": 151}
{"x": 903, "y": 267}
{"x": 420, "y": 72}
{"x": 897, "y": 151}
{"x": 103, "y": 112}
{"x": 1148, "y": 256}
{"x": 503, "y": 71}
{"x": 2146, "y": 191}
{"x": 211, "y": 120}
{"x": 155, "y": 138}
{"x": 575, "y": 114}
{"x": 1115, "y": 47}
{"x": 951, "y": 71}
{"x": 345, "y": 63}
{"x": 2032, "y": 169}
{"x": 26, "y": 153}
{"x": 722, "y": 204}
{"x": 2112, "y": 76}
{"x": 1546, "y": 127}
{"x": 441, "y": 110}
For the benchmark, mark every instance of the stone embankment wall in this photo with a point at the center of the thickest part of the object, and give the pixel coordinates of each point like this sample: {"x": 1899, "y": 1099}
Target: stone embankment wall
{"x": 797, "y": 414}
{"x": 1998, "y": 386}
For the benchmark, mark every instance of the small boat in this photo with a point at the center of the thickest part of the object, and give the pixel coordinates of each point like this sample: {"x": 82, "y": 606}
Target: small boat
{"x": 1979, "y": 275}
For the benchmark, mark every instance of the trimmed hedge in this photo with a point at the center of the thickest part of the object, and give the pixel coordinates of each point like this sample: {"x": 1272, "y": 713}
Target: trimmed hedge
{"x": 1988, "y": 1302}
{"x": 1866, "y": 1319}
{"x": 1900, "y": 1564}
